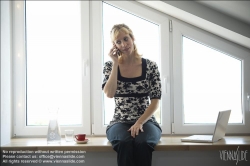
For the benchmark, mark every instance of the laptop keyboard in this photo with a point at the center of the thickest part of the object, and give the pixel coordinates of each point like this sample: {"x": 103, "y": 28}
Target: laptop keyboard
{"x": 208, "y": 137}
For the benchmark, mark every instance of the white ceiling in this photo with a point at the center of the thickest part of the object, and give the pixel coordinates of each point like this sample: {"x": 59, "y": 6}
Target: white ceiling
{"x": 236, "y": 9}
{"x": 176, "y": 10}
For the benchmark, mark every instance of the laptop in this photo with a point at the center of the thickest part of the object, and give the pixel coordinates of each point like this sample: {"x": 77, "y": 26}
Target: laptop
{"x": 219, "y": 130}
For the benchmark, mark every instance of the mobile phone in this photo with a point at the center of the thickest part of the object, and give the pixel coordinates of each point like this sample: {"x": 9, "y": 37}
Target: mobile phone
{"x": 118, "y": 51}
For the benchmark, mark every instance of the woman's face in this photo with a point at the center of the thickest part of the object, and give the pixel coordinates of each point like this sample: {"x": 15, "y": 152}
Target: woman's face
{"x": 124, "y": 43}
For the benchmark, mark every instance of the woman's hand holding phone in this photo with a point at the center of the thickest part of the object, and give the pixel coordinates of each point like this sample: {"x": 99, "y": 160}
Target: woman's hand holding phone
{"x": 114, "y": 53}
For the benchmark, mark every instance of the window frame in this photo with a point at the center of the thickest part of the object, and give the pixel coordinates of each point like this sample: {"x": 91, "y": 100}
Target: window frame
{"x": 19, "y": 75}
{"x": 183, "y": 29}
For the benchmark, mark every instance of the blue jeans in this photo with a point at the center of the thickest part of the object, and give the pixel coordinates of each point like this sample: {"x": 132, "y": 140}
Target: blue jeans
{"x": 134, "y": 151}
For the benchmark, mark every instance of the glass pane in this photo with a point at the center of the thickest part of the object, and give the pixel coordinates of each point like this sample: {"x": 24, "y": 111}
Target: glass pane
{"x": 54, "y": 77}
{"x": 211, "y": 83}
{"x": 146, "y": 41}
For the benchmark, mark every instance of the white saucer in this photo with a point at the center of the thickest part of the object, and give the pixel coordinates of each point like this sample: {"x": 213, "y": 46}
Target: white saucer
{"x": 82, "y": 142}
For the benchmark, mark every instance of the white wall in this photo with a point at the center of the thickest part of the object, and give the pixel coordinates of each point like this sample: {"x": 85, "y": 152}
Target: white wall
{"x": 5, "y": 73}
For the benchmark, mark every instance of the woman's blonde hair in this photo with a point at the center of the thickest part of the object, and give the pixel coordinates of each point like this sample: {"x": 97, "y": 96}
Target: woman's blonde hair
{"x": 125, "y": 29}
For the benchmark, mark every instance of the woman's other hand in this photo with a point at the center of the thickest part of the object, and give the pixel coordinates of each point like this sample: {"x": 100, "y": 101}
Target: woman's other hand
{"x": 135, "y": 129}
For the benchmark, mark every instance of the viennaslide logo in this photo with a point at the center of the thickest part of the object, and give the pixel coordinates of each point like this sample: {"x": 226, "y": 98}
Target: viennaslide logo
{"x": 234, "y": 155}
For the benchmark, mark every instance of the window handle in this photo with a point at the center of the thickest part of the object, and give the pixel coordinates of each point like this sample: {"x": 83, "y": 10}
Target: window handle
{"x": 85, "y": 64}
{"x": 165, "y": 84}
{"x": 248, "y": 101}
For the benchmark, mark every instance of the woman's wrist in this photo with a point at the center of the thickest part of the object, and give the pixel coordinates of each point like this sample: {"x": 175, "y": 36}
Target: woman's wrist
{"x": 139, "y": 122}
{"x": 115, "y": 64}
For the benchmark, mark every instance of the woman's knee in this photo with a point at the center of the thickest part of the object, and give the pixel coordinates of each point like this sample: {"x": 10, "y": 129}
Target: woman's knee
{"x": 118, "y": 131}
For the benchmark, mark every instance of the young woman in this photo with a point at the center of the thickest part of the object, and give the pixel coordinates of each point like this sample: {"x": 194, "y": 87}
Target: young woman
{"x": 132, "y": 81}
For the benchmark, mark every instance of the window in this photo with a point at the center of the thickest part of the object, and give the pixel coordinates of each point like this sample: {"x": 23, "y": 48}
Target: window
{"x": 54, "y": 75}
{"x": 216, "y": 77}
{"x": 50, "y": 70}
{"x": 209, "y": 74}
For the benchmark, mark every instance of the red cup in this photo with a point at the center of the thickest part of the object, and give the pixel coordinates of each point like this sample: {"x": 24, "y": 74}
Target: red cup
{"x": 80, "y": 137}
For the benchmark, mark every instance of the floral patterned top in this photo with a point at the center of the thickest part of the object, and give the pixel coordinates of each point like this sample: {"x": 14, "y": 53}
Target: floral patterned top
{"x": 132, "y": 94}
